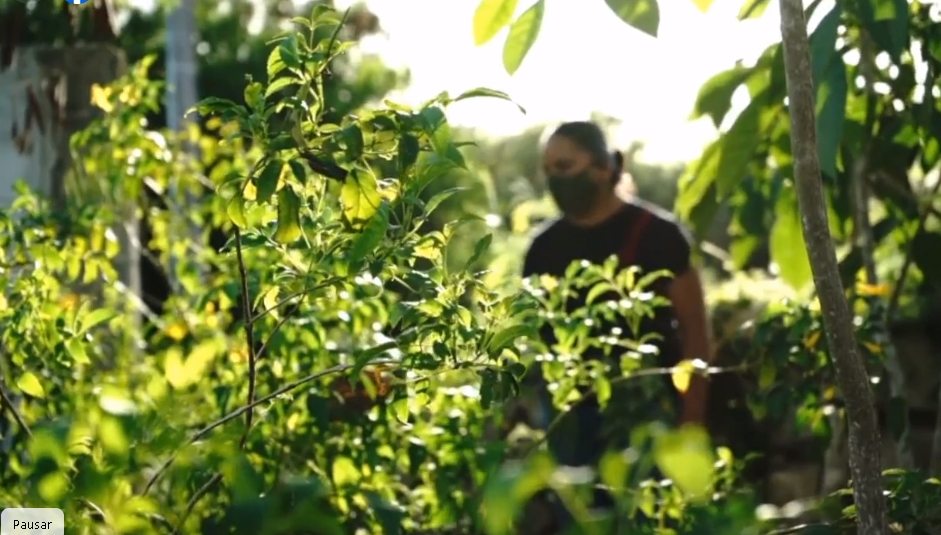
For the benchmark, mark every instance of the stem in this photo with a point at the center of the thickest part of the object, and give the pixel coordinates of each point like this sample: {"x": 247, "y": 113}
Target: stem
{"x": 249, "y": 335}
{"x": 864, "y": 452}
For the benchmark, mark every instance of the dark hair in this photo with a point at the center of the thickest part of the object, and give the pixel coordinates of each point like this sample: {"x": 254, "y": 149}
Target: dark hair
{"x": 590, "y": 138}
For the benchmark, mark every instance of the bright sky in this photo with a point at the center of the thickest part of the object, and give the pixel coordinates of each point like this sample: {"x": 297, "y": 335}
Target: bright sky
{"x": 586, "y": 59}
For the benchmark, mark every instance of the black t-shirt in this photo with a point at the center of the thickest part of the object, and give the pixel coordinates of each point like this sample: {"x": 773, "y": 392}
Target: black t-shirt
{"x": 662, "y": 244}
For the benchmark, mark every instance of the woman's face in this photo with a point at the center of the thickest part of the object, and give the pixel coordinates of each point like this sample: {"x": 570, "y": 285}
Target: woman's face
{"x": 562, "y": 157}
{"x": 576, "y": 182}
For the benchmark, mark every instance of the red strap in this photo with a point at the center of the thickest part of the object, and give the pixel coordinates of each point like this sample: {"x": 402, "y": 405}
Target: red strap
{"x": 628, "y": 253}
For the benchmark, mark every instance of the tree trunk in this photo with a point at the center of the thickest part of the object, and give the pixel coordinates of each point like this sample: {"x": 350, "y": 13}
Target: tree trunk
{"x": 864, "y": 442}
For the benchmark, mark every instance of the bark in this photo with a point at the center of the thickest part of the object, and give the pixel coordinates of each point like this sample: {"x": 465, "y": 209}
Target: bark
{"x": 864, "y": 451}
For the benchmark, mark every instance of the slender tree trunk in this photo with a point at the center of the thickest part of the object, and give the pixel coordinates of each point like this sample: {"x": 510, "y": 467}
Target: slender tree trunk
{"x": 864, "y": 443}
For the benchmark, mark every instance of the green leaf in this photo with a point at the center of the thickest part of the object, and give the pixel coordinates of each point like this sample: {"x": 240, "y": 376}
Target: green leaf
{"x": 523, "y": 34}
{"x": 298, "y": 170}
{"x": 739, "y": 146}
{"x": 254, "y": 96}
{"x": 486, "y": 92}
{"x": 703, "y": 5}
{"x": 641, "y": 14}
{"x": 686, "y": 457}
{"x": 29, "y": 384}
{"x": 235, "y": 209}
{"x": 823, "y": 42}
{"x": 831, "y": 114}
{"x": 752, "y": 9}
{"x": 213, "y": 105}
{"x": 481, "y": 248}
{"x": 786, "y": 242}
{"x": 280, "y": 84}
{"x": 490, "y": 17}
{"x": 360, "y": 197}
{"x": 505, "y": 338}
{"x": 401, "y": 410}
{"x": 440, "y": 197}
{"x": 76, "y": 349}
{"x": 289, "y": 216}
{"x": 890, "y": 34}
{"x": 409, "y": 149}
{"x": 697, "y": 187}
{"x": 94, "y": 318}
{"x": 353, "y": 142}
{"x": 266, "y": 183}
{"x": 715, "y": 96}
{"x": 345, "y": 472}
{"x": 372, "y": 235}
{"x": 275, "y": 64}
{"x": 289, "y": 52}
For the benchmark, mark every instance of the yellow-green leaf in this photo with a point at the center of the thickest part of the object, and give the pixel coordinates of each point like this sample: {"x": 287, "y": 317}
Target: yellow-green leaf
{"x": 289, "y": 216}
{"x": 703, "y": 5}
{"x": 641, "y": 14}
{"x": 76, "y": 349}
{"x": 235, "y": 209}
{"x": 522, "y": 36}
{"x": 29, "y": 384}
{"x": 490, "y": 17}
{"x": 360, "y": 198}
{"x": 686, "y": 457}
{"x": 683, "y": 375}
{"x": 786, "y": 242}
{"x": 345, "y": 472}
{"x": 371, "y": 236}
{"x": 752, "y": 9}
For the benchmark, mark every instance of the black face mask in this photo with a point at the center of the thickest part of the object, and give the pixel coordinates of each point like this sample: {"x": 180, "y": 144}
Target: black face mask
{"x": 574, "y": 194}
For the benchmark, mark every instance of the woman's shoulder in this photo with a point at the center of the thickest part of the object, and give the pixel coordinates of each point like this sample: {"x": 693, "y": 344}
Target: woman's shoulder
{"x": 659, "y": 219}
{"x": 543, "y": 233}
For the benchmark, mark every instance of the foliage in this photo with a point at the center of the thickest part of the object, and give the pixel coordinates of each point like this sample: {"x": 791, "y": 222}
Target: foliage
{"x": 329, "y": 376}
{"x": 751, "y": 166}
{"x": 327, "y": 371}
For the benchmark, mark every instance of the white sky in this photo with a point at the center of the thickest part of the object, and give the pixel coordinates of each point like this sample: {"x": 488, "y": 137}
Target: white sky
{"x": 586, "y": 59}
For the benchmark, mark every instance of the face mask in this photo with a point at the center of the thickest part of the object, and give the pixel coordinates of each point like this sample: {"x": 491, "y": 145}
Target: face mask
{"x": 574, "y": 195}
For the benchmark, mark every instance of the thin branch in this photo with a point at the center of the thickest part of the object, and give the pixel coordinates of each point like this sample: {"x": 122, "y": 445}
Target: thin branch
{"x": 249, "y": 336}
{"x": 191, "y": 504}
{"x": 209, "y": 428}
{"x": 252, "y": 374}
{"x": 11, "y": 408}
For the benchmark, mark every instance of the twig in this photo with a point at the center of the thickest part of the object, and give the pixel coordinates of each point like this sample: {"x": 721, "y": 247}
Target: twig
{"x": 191, "y": 504}
{"x": 249, "y": 335}
{"x": 9, "y": 406}
{"x": 209, "y": 428}
{"x": 252, "y": 363}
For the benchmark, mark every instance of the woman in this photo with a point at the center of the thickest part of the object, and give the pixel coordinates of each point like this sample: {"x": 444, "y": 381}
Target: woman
{"x": 597, "y": 223}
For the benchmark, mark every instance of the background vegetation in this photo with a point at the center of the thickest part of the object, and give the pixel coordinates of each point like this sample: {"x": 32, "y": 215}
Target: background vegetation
{"x": 349, "y": 329}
